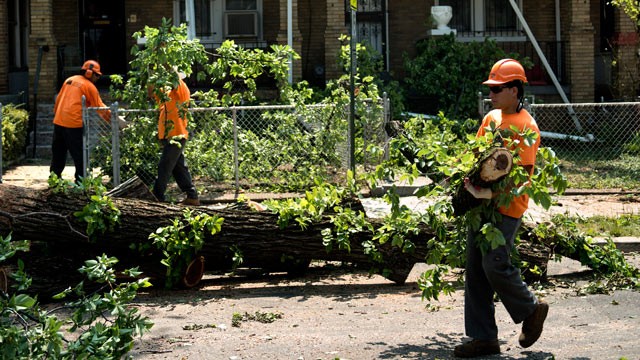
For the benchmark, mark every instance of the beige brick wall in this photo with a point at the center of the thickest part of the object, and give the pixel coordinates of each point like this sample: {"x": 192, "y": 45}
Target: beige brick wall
{"x": 42, "y": 34}
{"x": 335, "y": 27}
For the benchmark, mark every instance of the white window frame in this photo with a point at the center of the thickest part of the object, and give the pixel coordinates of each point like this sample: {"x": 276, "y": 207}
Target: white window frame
{"x": 478, "y": 24}
{"x": 217, "y": 18}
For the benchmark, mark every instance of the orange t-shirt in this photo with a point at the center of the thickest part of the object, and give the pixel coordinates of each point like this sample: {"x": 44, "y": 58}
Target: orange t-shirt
{"x": 170, "y": 123}
{"x": 68, "y": 106}
{"x": 521, "y": 121}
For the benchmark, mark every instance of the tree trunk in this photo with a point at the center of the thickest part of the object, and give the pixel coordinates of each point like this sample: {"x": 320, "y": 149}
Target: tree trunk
{"x": 60, "y": 246}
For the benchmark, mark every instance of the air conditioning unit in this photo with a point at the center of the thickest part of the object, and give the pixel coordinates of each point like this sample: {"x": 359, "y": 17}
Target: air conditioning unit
{"x": 241, "y": 24}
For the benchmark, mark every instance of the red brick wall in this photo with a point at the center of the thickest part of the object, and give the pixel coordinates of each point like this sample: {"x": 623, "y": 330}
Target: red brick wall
{"x": 581, "y": 52}
{"x": 335, "y": 27}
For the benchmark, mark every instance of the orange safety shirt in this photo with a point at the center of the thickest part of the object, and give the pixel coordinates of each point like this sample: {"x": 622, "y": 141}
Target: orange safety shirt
{"x": 68, "y": 107}
{"x": 527, "y": 154}
{"x": 170, "y": 121}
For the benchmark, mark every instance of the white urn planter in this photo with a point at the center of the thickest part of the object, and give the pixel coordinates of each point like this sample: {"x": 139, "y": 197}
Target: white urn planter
{"x": 441, "y": 15}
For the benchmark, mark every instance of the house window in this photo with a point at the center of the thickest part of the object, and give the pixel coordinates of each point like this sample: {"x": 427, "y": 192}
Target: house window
{"x": 475, "y": 19}
{"x": 218, "y": 20}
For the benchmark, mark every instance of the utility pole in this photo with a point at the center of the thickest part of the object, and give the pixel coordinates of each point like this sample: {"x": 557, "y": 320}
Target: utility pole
{"x": 352, "y": 104}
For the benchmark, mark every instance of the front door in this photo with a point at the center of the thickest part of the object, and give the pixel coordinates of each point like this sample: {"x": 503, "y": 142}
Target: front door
{"x": 102, "y": 34}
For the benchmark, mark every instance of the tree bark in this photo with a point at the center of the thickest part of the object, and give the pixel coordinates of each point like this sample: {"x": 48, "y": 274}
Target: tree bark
{"x": 60, "y": 245}
{"x": 491, "y": 168}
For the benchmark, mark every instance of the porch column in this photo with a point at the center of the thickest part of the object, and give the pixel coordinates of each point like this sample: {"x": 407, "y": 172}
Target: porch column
{"x": 4, "y": 48}
{"x": 625, "y": 42}
{"x": 581, "y": 56}
{"x": 297, "y": 36}
{"x": 335, "y": 27}
{"x": 41, "y": 36}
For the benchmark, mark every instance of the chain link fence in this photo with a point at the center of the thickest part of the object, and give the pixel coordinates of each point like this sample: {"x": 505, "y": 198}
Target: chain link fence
{"x": 1, "y": 145}
{"x": 589, "y": 138}
{"x": 279, "y": 148}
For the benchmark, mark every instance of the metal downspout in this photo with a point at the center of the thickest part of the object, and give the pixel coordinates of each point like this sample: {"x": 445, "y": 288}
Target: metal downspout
{"x": 190, "y": 14}
{"x": 558, "y": 39}
{"x": 534, "y": 42}
{"x": 386, "y": 34}
{"x": 290, "y": 36}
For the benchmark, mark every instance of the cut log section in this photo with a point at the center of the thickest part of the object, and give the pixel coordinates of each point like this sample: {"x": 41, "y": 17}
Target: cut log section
{"x": 494, "y": 166}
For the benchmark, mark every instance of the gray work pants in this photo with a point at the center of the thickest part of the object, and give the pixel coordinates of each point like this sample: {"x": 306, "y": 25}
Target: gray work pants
{"x": 491, "y": 273}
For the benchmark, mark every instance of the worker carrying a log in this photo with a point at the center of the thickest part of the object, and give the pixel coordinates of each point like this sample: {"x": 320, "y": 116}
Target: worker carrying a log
{"x": 492, "y": 272}
{"x": 173, "y": 135}
{"x": 67, "y": 120}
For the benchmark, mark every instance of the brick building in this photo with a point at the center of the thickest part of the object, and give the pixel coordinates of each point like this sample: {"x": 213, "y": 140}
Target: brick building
{"x": 45, "y": 40}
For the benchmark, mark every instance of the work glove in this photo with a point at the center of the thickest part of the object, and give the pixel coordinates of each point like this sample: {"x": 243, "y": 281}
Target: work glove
{"x": 122, "y": 123}
{"x": 476, "y": 191}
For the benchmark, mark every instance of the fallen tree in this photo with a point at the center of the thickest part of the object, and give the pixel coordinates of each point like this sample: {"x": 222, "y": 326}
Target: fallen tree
{"x": 59, "y": 244}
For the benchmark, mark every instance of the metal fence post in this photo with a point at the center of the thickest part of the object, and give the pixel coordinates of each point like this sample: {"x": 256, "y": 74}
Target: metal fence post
{"x": 386, "y": 106}
{"x": 234, "y": 116}
{"x": 1, "y": 144}
{"x": 115, "y": 144}
{"x": 480, "y": 105}
{"x": 85, "y": 137}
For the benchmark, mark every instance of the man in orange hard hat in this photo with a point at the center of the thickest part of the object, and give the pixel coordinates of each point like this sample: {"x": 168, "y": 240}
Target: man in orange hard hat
{"x": 67, "y": 121}
{"x": 492, "y": 272}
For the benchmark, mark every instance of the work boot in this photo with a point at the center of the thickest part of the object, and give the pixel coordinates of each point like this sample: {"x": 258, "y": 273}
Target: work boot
{"x": 191, "y": 202}
{"x": 475, "y": 348}
{"x": 532, "y": 325}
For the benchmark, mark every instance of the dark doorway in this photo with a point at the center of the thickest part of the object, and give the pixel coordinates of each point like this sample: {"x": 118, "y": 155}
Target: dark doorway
{"x": 102, "y": 34}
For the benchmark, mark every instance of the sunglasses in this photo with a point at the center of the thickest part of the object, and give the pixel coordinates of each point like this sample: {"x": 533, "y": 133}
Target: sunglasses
{"x": 497, "y": 89}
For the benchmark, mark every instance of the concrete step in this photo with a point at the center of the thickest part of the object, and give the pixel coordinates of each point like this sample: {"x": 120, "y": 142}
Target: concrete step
{"x": 42, "y": 151}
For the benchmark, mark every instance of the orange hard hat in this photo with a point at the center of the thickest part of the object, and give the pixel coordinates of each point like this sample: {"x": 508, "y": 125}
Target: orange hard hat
{"x": 92, "y": 65}
{"x": 504, "y": 71}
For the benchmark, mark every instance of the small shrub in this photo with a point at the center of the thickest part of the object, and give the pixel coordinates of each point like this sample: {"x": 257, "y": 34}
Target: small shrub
{"x": 14, "y": 132}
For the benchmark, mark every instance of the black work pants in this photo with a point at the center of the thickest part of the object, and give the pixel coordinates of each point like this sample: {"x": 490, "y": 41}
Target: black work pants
{"x": 66, "y": 140}
{"x": 172, "y": 162}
